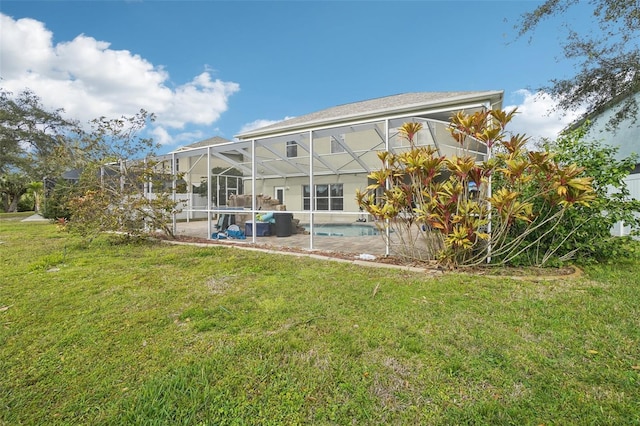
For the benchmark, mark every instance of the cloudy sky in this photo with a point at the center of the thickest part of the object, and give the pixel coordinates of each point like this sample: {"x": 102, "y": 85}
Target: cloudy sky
{"x": 213, "y": 68}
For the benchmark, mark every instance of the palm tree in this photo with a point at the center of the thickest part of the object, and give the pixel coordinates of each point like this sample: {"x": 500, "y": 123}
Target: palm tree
{"x": 36, "y": 189}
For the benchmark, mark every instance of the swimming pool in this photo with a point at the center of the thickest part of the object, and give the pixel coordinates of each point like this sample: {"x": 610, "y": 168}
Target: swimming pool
{"x": 343, "y": 230}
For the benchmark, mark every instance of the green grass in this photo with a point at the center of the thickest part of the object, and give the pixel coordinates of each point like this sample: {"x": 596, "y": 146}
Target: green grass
{"x": 139, "y": 333}
{"x": 15, "y": 216}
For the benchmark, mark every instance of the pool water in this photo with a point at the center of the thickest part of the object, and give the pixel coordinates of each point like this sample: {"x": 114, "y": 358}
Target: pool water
{"x": 344, "y": 230}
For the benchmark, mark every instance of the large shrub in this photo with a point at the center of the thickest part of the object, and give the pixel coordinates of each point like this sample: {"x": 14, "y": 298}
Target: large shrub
{"x": 462, "y": 212}
{"x": 585, "y": 232}
{"x": 56, "y": 199}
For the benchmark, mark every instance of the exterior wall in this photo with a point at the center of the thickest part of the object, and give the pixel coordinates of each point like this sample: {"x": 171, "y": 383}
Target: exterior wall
{"x": 193, "y": 206}
{"x": 194, "y": 170}
{"x": 294, "y": 194}
{"x": 626, "y": 137}
{"x": 633, "y": 184}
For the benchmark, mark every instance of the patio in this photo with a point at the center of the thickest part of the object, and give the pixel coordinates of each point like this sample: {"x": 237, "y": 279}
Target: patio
{"x": 369, "y": 244}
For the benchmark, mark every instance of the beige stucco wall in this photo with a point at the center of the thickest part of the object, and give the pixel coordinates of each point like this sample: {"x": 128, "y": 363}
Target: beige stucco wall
{"x": 293, "y": 194}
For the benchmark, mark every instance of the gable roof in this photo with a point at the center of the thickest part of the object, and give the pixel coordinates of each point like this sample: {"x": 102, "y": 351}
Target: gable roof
{"x": 216, "y": 140}
{"x": 402, "y": 103}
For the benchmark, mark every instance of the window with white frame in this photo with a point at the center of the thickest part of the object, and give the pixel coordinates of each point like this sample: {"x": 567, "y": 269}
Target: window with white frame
{"x": 292, "y": 149}
{"x": 327, "y": 197}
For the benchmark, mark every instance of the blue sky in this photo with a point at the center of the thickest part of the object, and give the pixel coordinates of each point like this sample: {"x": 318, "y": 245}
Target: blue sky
{"x": 210, "y": 68}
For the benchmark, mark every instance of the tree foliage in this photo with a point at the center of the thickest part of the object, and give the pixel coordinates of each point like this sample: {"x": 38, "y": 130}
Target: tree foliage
{"x": 12, "y": 187}
{"x": 33, "y": 139}
{"x": 35, "y": 189}
{"x": 34, "y": 144}
{"x": 608, "y": 60}
{"x": 122, "y": 187}
{"x": 586, "y": 230}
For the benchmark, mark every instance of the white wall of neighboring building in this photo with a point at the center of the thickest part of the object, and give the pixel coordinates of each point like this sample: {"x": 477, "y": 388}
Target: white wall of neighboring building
{"x": 627, "y": 139}
{"x": 633, "y": 184}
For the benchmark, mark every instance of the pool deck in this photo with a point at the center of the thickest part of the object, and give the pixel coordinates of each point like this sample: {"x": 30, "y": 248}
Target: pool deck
{"x": 369, "y": 244}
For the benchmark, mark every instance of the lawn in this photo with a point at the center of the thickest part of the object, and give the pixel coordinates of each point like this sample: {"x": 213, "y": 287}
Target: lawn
{"x": 120, "y": 333}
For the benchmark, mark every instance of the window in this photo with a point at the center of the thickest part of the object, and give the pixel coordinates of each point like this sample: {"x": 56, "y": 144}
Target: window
{"x": 336, "y": 146}
{"x": 327, "y": 197}
{"x": 292, "y": 149}
{"x": 279, "y": 194}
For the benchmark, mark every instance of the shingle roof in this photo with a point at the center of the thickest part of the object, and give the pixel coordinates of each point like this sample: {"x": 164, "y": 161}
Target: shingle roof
{"x": 371, "y": 108}
{"x": 207, "y": 142}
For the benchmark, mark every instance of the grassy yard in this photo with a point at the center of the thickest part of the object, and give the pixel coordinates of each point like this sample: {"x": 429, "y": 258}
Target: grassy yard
{"x": 141, "y": 333}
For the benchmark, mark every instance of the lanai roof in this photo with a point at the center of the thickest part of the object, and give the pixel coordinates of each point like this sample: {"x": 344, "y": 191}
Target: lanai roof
{"x": 433, "y": 107}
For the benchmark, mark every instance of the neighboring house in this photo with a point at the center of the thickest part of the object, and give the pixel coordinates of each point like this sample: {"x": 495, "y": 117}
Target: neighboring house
{"x": 627, "y": 139}
{"x": 313, "y": 164}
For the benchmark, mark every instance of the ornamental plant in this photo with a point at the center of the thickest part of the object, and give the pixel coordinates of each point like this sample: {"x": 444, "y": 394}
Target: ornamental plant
{"x": 459, "y": 211}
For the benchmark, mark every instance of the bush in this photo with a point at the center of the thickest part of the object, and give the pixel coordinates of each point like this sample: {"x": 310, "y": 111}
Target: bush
{"x": 56, "y": 199}
{"x": 26, "y": 203}
{"x": 585, "y": 232}
{"x": 462, "y": 212}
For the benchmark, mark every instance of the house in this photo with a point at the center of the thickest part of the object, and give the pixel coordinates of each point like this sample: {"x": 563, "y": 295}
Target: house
{"x": 193, "y": 171}
{"x": 312, "y": 165}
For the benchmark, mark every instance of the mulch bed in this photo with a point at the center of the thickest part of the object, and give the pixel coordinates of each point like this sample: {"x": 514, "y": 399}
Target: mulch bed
{"x": 493, "y": 270}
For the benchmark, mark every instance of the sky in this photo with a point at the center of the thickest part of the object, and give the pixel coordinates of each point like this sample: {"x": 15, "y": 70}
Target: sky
{"x": 218, "y": 68}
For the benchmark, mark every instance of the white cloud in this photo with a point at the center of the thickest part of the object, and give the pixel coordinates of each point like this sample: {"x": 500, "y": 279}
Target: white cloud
{"x": 260, "y": 123}
{"x": 201, "y": 101}
{"x": 537, "y": 116}
{"x": 89, "y": 80}
{"x": 161, "y": 136}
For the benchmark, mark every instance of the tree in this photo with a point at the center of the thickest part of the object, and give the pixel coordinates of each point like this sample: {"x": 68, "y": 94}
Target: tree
{"x": 34, "y": 143}
{"x": 121, "y": 188}
{"x": 33, "y": 139}
{"x": 12, "y": 187}
{"x": 36, "y": 189}
{"x": 608, "y": 61}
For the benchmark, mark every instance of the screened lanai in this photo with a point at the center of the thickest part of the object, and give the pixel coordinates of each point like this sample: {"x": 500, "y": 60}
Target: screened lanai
{"x": 303, "y": 173}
